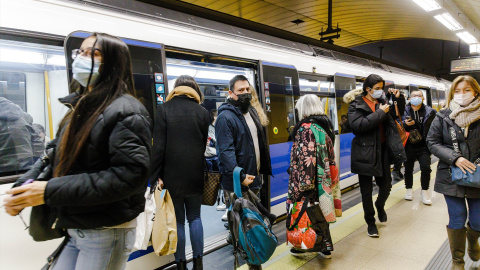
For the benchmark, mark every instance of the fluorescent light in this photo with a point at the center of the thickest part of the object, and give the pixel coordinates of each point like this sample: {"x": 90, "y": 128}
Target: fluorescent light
{"x": 428, "y": 5}
{"x": 449, "y": 22}
{"x": 30, "y": 57}
{"x": 475, "y": 48}
{"x": 467, "y": 37}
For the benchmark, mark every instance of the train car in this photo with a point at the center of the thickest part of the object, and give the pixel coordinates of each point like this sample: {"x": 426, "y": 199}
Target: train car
{"x": 37, "y": 36}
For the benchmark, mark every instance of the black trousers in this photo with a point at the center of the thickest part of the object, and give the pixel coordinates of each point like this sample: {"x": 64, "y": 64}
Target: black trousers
{"x": 384, "y": 184}
{"x": 423, "y": 156}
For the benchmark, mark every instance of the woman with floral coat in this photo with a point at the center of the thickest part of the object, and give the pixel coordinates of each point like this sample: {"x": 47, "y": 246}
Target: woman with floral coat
{"x": 312, "y": 167}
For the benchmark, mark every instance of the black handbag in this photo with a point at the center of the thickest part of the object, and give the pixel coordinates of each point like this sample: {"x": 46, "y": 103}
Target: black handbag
{"x": 415, "y": 136}
{"x": 211, "y": 185}
{"x": 40, "y": 228}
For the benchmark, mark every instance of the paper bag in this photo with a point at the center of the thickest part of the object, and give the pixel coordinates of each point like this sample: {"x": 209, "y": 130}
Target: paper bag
{"x": 164, "y": 234}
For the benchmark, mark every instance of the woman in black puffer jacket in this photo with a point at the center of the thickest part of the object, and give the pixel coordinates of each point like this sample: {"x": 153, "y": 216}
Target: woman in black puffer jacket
{"x": 100, "y": 168}
{"x": 462, "y": 114}
{"x": 371, "y": 119}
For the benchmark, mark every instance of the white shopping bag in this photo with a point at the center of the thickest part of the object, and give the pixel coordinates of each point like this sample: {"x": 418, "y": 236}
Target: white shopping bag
{"x": 145, "y": 222}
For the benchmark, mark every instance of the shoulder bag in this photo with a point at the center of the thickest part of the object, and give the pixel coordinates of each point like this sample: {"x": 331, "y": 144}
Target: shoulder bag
{"x": 40, "y": 228}
{"x": 401, "y": 130}
{"x": 211, "y": 185}
{"x": 414, "y": 136}
{"x": 458, "y": 177}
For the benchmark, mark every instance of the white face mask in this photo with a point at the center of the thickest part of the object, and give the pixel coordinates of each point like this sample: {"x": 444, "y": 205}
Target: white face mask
{"x": 81, "y": 70}
{"x": 463, "y": 99}
{"x": 377, "y": 94}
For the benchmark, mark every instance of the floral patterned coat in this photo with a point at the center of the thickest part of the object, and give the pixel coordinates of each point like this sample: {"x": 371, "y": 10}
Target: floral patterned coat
{"x": 313, "y": 167}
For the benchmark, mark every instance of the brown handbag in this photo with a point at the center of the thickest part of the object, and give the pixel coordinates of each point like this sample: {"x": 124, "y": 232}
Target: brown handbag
{"x": 401, "y": 130}
{"x": 211, "y": 185}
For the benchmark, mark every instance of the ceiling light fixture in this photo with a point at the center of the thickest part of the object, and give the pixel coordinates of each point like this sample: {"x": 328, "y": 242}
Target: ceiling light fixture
{"x": 428, "y": 5}
{"x": 449, "y": 22}
{"x": 467, "y": 37}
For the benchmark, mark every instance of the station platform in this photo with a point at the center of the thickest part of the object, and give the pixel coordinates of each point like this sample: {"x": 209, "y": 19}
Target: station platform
{"x": 414, "y": 237}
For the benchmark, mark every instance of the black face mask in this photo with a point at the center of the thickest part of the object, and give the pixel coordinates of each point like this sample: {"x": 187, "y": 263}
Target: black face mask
{"x": 243, "y": 102}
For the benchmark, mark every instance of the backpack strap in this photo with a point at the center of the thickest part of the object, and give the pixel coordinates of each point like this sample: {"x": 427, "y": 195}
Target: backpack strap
{"x": 237, "y": 187}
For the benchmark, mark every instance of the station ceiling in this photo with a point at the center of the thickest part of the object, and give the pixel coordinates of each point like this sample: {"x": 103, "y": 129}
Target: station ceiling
{"x": 361, "y": 21}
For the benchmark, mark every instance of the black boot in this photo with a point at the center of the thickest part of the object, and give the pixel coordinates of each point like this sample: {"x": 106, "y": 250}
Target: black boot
{"x": 197, "y": 263}
{"x": 182, "y": 265}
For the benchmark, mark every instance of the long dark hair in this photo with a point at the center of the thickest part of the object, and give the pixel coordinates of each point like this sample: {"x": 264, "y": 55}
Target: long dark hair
{"x": 115, "y": 79}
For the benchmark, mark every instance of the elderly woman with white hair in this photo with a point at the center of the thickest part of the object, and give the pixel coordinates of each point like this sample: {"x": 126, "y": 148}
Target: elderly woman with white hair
{"x": 313, "y": 175}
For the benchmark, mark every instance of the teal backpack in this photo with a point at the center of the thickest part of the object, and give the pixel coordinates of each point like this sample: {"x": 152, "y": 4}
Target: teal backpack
{"x": 251, "y": 232}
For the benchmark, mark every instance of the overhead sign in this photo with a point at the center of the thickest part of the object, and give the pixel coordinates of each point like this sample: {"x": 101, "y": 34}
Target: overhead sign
{"x": 465, "y": 65}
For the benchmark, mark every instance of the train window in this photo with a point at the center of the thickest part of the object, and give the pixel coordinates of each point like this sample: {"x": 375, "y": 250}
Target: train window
{"x": 435, "y": 102}
{"x": 309, "y": 85}
{"x": 32, "y": 78}
{"x": 213, "y": 79}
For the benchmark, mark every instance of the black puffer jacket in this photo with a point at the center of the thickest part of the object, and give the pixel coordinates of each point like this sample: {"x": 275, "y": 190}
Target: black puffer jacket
{"x": 366, "y": 145}
{"x": 180, "y": 139}
{"x": 19, "y": 142}
{"x": 106, "y": 184}
{"x": 439, "y": 143}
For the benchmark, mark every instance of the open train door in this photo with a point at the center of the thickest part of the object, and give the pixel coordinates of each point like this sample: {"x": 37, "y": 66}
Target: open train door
{"x": 279, "y": 91}
{"x": 343, "y": 83}
{"x": 148, "y": 67}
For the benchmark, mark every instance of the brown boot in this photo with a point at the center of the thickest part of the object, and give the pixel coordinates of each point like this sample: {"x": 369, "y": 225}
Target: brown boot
{"x": 473, "y": 246}
{"x": 457, "y": 239}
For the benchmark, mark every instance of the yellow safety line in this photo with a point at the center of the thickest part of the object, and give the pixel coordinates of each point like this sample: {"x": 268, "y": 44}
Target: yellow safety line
{"x": 351, "y": 220}
{"x": 49, "y": 105}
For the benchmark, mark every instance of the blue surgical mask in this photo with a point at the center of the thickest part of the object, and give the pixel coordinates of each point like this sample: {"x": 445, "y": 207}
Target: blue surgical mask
{"x": 81, "y": 70}
{"x": 416, "y": 101}
{"x": 377, "y": 94}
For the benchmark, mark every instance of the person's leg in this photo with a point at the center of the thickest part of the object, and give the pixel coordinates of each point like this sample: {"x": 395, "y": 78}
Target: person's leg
{"x": 193, "y": 206}
{"x": 104, "y": 249}
{"x": 424, "y": 160}
{"x": 409, "y": 164}
{"x": 179, "y": 205}
{"x": 367, "y": 201}
{"x": 209, "y": 164}
{"x": 457, "y": 212}
{"x": 68, "y": 257}
{"x": 384, "y": 186}
{"x": 473, "y": 229}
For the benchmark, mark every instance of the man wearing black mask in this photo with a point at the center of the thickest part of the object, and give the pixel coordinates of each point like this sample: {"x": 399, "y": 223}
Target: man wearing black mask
{"x": 241, "y": 142}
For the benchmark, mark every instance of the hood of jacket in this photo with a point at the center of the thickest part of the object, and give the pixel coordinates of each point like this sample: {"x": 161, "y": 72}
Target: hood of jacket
{"x": 351, "y": 95}
{"x": 10, "y": 111}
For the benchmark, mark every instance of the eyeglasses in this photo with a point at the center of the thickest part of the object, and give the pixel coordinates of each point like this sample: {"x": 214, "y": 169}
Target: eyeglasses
{"x": 85, "y": 52}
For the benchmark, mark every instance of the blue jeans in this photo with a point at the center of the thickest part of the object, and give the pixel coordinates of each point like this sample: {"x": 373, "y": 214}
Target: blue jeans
{"x": 101, "y": 249}
{"x": 192, "y": 206}
{"x": 457, "y": 212}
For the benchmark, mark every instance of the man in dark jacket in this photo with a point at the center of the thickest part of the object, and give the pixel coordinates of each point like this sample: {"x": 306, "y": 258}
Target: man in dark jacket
{"x": 20, "y": 144}
{"x": 418, "y": 116}
{"x": 241, "y": 141}
{"x": 376, "y": 145}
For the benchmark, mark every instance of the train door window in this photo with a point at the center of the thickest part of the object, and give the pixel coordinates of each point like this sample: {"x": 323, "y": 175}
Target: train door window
{"x": 325, "y": 92}
{"x": 30, "y": 76}
{"x": 213, "y": 79}
{"x": 343, "y": 83}
{"x": 441, "y": 98}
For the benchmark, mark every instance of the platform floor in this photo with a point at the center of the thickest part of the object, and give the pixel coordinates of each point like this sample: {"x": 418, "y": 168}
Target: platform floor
{"x": 413, "y": 236}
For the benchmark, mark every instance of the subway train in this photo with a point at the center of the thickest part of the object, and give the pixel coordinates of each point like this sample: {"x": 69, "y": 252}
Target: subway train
{"x": 36, "y": 40}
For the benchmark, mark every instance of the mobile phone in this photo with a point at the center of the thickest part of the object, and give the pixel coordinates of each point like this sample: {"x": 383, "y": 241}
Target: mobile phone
{"x": 409, "y": 118}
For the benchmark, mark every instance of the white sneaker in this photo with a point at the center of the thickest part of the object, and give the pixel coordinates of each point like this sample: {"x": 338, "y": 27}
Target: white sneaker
{"x": 409, "y": 194}
{"x": 222, "y": 207}
{"x": 426, "y": 198}
{"x": 224, "y": 217}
